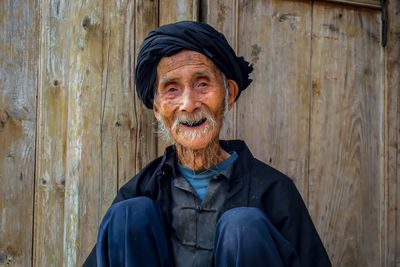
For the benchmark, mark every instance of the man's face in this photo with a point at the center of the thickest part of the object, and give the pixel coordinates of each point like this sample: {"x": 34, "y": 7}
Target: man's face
{"x": 190, "y": 98}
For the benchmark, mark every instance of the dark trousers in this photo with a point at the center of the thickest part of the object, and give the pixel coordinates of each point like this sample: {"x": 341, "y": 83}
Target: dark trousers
{"x": 133, "y": 233}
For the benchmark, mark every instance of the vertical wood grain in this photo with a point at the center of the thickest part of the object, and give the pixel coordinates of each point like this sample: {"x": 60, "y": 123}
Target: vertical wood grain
{"x": 392, "y": 126}
{"x": 146, "y": 19}
{"x": 346, "y": 164}
{"x": 19, "y": 24}
{"x": 273, "y": 113}
{"x": 52, "y": 133}
{"x": 177, "y": 10}
{"x": 221, "y": 14}
{"x": 83, "y": 186}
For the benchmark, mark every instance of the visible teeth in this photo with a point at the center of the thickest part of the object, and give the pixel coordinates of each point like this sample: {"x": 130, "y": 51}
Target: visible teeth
{"x": 193, "y": 123}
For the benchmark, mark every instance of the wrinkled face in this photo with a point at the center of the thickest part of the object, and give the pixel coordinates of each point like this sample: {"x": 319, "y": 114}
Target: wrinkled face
{"x": 190, "y": 97}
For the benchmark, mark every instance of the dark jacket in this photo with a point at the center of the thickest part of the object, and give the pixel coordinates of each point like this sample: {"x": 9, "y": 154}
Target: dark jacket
{"x": 254, "y": 184}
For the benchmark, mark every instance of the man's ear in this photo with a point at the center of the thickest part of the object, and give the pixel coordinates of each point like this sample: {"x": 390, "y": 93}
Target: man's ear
{"x": 155, "y": 110}
{"x": 233, "y": 90}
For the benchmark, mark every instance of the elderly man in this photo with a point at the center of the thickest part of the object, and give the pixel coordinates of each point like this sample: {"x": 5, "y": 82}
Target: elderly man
{"x": 205, "y": 202}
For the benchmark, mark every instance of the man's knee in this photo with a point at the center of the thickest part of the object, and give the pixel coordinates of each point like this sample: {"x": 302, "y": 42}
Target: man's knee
{"x": 245, "y": 237}
{"x": 132, "y": 209}
{"x": 136, "y": 202}
{"x": 241, "y": 218}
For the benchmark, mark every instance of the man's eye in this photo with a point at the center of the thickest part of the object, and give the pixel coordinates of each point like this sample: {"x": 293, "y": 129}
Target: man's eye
{"x": 171, "y": 89}
{"x": 203, "y": 84}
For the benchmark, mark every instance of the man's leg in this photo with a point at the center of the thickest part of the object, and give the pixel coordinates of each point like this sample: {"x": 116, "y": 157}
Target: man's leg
{"x": 245, "y": 237}
{"x": 132, "y": 233}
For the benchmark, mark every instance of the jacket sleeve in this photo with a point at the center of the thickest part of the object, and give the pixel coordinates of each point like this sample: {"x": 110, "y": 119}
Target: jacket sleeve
{"x": 289, "y": 214}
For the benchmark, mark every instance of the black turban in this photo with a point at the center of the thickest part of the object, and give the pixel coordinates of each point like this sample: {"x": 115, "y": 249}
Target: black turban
{"x": 201, "y": 37}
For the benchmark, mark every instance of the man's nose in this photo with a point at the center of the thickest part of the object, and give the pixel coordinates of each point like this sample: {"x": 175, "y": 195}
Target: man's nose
{"x": 190, "y": 100}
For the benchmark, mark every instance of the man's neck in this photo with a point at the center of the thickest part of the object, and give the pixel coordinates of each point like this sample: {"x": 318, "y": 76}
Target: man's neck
{"x": 201, "y": 158}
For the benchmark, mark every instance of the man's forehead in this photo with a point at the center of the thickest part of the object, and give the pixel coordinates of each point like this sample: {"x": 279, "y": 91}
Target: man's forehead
{"x": 175, "y": 77}
{"x": 182, "y": 59}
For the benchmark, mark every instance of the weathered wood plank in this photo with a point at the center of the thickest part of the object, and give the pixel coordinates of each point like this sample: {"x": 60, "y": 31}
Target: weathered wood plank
{"x": 142, "y": 119}
{"x": 391, "y": 235}
{"x": 52, "y": 133}
{"x": 84, "y": 181}
{"x": 171, "y": 11}
{"x": 273, "y": 113}
{"x": 18, "y": 87}
{"x": 178, "y": 10}
{"x": 346, "y": 163}
{"x": 221, "y": 14}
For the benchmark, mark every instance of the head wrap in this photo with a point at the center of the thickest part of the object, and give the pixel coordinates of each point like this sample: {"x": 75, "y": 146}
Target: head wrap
{"x": 171, "y": 38}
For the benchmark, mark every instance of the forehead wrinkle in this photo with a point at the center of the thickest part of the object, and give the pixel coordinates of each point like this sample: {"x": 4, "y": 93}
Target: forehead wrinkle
{"x": 170, "y": 66}
{"x": 184, "y": 58}
{"x": 164, "y": 76}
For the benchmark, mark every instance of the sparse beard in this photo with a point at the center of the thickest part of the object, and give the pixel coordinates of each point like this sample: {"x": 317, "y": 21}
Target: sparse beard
{"x": 190, "y": 118}
{"x": 163, "y": 132}
{"x": 226, "y": 121}
{"x": 212, "y": 154}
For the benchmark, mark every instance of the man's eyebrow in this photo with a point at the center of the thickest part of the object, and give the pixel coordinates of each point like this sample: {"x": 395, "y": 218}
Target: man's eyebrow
{"x": 168, "y": 80}
{"x": 201, "y": 73}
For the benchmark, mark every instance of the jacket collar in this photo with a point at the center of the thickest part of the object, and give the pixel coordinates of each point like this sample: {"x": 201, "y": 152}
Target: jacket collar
{"x": 239, "y": 179}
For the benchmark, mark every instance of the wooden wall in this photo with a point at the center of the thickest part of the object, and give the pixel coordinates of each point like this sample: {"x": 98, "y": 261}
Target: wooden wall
{"x": 323, "y": 108}
{"x": 322, "y": 111}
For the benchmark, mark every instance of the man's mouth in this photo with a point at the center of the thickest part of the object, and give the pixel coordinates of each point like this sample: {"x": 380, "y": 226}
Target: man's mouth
{"x": 194, "y": 123}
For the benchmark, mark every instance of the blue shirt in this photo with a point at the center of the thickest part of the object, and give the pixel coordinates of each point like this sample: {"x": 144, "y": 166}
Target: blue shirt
{"x": 199, "y": 179}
